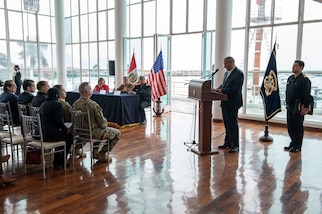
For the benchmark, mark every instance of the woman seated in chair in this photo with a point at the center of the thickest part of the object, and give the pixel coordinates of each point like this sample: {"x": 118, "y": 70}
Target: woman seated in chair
{"x": 101, "y": 86}
{"x": 51, "y": 114}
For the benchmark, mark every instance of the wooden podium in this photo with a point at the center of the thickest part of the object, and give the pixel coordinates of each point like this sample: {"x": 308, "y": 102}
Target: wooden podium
{"x": 201, "y": 90}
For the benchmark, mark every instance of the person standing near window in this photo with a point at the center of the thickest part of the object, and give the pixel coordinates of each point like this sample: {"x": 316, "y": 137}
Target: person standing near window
{"x": 17, "y": 78}
{"x": 232, "y": 86}
{"x": 298, "y": 88}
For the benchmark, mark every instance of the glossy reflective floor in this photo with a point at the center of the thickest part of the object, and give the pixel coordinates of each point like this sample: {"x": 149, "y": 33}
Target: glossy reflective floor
{"x": 152, "y": 172}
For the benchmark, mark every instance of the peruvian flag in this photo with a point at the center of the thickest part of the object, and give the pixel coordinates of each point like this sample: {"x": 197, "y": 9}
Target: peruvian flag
{"x": 133, "y": 73}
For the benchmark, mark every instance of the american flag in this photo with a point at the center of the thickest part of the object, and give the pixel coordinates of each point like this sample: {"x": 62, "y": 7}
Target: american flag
{"x": 156, "y": 79}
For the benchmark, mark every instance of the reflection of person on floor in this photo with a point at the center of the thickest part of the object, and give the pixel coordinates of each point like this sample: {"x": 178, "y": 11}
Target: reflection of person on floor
{"x": 100, "y": 129}
{"x": 3, "y": 178}
{"x": 144, "y": 90}
{"x": 227, "y": 183}
{"x": 292, "y": 194}
{"x": 266, "y": 184}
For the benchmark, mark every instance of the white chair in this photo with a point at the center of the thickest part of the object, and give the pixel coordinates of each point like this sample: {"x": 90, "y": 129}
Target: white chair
{"x": 32, "y": 133}
{"x": 9, "y": 135}
{"x": 82, "y": 131}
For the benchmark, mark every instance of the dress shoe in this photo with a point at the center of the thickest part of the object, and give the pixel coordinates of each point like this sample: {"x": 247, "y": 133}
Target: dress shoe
{"x": 295, "y": 150}
{"x": 224, "y": 146}
{"x": 287, "y": 148}
{"x": 5, "y": 158}
{"x": 233, "y": 150}
{"x": 6, "y": 180}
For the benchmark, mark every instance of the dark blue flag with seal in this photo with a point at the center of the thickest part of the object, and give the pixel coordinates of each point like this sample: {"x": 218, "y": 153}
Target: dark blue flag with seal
{"x": 270, "y": 90}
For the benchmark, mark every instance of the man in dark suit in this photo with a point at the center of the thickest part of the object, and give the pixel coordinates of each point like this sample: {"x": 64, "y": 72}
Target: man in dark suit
{"x": 26, "y": 97}
{"x": 144, "y": 90}
{"x": 232, "y": 86}
{"x": 8, "y": 95}
{"x": 42, "y": 87}
{"x": 17, "y": 78}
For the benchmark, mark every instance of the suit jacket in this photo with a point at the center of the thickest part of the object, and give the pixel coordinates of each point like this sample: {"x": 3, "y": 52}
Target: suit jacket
{"x": 39, "y": 99}
{"x": 51, "y": 113}
{"x": 232, "y": 86}
{"x": 144, "y": 91}
{"x": 25, "y": 98}
{"x": 12, "y": 98}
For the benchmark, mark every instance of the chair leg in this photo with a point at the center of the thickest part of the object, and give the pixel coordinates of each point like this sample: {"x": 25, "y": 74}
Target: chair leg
{"x": 43, "y": 164}
{"x": 25, "y": 159}
{"x": 73, "y": 152}
{"x": 13, "y": 158}
{"x": 65, "y": 157}
{"x": 92, "y": 155}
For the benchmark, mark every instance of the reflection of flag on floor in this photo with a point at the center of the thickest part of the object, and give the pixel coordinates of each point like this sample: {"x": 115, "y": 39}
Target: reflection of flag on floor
{"x": 156, "y": 79}
{"x": 133, "y": 73}
{"x": 270, "y": 90}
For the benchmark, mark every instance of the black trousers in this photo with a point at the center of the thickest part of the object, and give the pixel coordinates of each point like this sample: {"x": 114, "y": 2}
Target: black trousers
{"x": 295, "y": 128}
{"x": 230, "y": 116}
{"x": 143, "y": 105}
{"x": 60, "y": 136}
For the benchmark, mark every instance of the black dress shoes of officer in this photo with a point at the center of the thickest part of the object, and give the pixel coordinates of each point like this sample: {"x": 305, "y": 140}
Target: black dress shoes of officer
{"x": 233, "y": 150}
{"x": 295, "y": 150}
{"x": 287, "y": 148}
{"x": 224, "y": 146}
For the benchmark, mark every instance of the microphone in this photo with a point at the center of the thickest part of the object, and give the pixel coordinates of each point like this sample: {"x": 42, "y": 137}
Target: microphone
{"x": 214, "y": 73}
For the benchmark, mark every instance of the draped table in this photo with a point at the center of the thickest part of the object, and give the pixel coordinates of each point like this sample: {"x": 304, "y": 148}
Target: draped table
{"x": 120, "y": 109}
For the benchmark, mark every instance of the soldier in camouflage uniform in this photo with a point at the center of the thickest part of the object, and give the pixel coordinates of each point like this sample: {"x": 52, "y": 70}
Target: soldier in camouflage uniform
{"x": 100, "y": 130}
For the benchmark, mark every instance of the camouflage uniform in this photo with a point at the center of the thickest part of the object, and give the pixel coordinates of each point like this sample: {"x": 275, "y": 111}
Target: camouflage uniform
{"x": 66, "y": 111}
{"x": 125, "y": 88}
{"x": 100, "y": 130}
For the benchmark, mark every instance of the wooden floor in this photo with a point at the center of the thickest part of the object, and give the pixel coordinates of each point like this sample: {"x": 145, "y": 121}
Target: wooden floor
{"x": 152, "y": 172}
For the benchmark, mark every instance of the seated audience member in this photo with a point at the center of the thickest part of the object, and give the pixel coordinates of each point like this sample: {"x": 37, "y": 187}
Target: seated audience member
{"x": 51, "y": 114}
{"x": 144, "y": 90}
{"x": 3, "y": 178}
{"x": 42, "y": 87}
{"x": 8, "y": 95}
{"x": 99, "y": 124}
{"x": 66, "y": 106}
{"x": 26, "y": 97}
{"x": 101, "y": 86}
{"x": 126, "y": 86}
{"x": 66, "y": 112}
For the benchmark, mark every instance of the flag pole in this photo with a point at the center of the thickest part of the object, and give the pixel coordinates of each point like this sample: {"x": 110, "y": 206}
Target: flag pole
{"x": 266, "y": 137}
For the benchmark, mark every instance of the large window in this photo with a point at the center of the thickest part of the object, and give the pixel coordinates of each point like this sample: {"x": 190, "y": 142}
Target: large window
{"x": 29, "y": 40}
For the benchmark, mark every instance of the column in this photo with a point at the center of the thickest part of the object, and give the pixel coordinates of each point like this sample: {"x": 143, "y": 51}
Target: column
{"x": 222, "y": 45}
{"x": 60, "y": 43}
{"x": 120, "y": 33}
